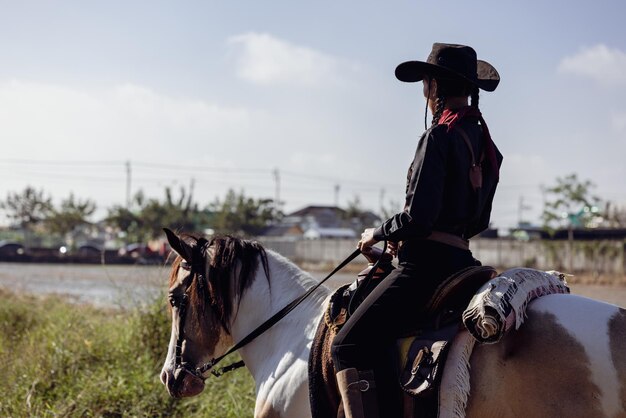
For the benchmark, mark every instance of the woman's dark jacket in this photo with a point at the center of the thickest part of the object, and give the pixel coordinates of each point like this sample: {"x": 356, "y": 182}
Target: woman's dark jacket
{"x": 439, "y": 196}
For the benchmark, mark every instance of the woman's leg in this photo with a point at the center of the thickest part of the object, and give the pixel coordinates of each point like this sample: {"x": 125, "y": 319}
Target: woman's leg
{"x": 384, "y": 314}
{"x": 390, "y": 310}
{"x": 365, "y": 340}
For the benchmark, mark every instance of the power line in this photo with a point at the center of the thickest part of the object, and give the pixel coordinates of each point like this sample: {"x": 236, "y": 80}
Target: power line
{"x": 332, "y": 179}
{"x": 178, "y": 167}
{"x": 66, "y": 163}
{"x": 164, "y": 167}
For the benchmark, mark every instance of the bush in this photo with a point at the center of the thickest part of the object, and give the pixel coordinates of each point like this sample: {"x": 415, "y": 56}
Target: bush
{"x": 61, "y": 359}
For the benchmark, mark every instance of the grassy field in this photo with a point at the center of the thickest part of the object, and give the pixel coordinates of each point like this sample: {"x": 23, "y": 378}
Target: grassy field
{"x": 63, "y": 360}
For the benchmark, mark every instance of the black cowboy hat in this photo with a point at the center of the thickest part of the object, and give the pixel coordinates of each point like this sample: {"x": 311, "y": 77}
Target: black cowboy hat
{"x": 451, "y": 61}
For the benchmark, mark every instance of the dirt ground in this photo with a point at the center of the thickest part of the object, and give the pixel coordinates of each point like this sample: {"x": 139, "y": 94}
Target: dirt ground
{"x": 116, "y": 286}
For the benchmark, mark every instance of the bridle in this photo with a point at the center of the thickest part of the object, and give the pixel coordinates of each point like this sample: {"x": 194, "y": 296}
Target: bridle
{"x": 180, "y": 300}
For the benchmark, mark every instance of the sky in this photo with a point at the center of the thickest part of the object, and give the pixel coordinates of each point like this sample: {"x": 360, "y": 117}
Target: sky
{"x": 298, "y": 99}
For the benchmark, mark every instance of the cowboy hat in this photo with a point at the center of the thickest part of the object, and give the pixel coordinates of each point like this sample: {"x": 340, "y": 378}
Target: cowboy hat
{"x": 451, "y": 61}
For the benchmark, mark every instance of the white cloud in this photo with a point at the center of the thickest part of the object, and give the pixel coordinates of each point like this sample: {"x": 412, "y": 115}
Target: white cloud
{"x": 618, "y": 121}
{"x": 264, "y": 59}
{"x": 600, "y": 63}
{"x": 49, "y": 121}
{"x": 44, "y": 122}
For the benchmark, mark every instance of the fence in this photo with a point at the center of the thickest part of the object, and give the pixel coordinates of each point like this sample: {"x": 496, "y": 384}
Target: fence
{"x": 602, "y": 257}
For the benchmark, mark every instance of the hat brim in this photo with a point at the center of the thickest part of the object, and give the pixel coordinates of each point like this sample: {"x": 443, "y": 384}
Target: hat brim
{"x": 411, "y": 71}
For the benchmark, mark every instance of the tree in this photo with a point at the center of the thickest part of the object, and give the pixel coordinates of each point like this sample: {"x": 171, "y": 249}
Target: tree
{"x": 27, "y": 209}
{"x": 354, "y": 209}
{"x": 147, "y": 217}
{"x": 570, "y": 203}
{"x": 358, "y": 217}
{"x": 71, "y": 214}
{"x": 615, "y": 215}
{"x": 391, "y": 209}
{"x": 241, "y": 215}
{"x": 179, "y": 213}
{"x": 128, "y": 222}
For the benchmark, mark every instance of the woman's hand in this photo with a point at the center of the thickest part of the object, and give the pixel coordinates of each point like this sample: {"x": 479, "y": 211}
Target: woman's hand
{"x": 367, "y": 239}
{"x": 392, "y": 248}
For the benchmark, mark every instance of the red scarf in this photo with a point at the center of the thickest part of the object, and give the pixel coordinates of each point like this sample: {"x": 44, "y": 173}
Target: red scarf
{"x": 452, "y": 117}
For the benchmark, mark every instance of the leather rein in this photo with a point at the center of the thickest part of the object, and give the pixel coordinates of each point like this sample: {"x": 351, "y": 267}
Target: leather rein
{"x": 180, "y": 300}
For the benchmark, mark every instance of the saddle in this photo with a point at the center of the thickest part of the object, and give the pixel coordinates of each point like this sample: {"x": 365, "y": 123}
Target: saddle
{"x": 421, "y": 355}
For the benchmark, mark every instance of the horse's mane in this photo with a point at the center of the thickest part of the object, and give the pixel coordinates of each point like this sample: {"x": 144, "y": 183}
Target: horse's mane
{"x": 232, "y": 259}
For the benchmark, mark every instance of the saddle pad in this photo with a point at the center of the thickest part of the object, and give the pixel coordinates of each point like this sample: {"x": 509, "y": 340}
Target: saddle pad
{"x": 337, "y": 312}
{"x": 455, "y": 384}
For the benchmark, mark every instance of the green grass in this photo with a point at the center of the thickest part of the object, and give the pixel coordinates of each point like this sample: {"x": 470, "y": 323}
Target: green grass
{"x": 63, "y": 360}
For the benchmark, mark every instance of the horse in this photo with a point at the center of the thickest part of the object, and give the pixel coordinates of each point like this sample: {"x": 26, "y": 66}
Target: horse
{"x": 567, "y": 360}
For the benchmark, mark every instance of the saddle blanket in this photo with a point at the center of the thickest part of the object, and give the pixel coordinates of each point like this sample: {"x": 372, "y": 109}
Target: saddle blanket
{"x": 501, "y": 303}
{"x": 498, "y": 306}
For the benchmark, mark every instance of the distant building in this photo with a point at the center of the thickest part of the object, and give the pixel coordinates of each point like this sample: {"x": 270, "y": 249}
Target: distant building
{"x": 284, "y": 230}
{"x": 321, "y": 216}
{"x": 316, "y": 222}
{"x": 325, "y": 233}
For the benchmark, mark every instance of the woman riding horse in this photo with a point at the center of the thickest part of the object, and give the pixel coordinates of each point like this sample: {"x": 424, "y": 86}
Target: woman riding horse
{"x": 450, "y": 188}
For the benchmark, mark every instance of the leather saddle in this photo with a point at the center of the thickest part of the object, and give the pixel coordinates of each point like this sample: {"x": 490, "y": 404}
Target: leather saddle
{"x": 451, "y": 296}
{"x": 421, "y": 355}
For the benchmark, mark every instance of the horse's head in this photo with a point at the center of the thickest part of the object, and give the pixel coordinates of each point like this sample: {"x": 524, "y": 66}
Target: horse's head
{"x": 207, "y": 280}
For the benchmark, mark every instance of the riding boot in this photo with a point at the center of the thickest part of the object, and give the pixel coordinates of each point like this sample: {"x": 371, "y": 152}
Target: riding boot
{"x": 358, "y": 393}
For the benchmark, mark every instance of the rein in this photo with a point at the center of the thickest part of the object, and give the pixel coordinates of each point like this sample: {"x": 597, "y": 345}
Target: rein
{"x": 181, "y": 305}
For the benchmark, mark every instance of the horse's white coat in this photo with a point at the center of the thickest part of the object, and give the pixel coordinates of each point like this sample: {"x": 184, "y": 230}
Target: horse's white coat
{"x": 170, "y": 360}
{"x": 588, "y": 322}
{"x": 278, "y": 359}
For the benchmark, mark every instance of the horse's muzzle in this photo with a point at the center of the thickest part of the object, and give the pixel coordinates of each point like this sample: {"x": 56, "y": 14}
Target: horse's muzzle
{"x": 182, "y": 383}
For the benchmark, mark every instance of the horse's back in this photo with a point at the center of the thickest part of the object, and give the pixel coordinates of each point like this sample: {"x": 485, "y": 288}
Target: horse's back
{"x": 567, "y": 359}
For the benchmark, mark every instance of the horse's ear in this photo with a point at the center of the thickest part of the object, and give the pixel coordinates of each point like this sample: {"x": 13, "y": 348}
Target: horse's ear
{"x": 179, "y": 245}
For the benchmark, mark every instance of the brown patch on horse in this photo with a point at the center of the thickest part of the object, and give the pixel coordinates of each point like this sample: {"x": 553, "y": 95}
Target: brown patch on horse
{"x": 201, "y": 329}
{"x": 232, "y": 259}
{"x": 214, "y": 299}
{"x": 508, "y": 378}
{"x": 617, "y": 336}
{"x": 232, "y": 267}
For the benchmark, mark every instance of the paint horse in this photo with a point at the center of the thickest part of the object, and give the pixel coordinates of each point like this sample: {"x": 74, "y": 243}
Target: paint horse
{"x": 567, "y": 360}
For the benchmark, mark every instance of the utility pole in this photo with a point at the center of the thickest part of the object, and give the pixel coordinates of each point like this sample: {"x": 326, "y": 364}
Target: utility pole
{"x": 520, "y": 211}
{"x": 128, "y": 175}
{"x": 544, "y": 202}
{"x": 382, "y": 203}
{"x": 276, "y": 190}
{"x": 337, "y": 187}
{"x": 192, "y": 185}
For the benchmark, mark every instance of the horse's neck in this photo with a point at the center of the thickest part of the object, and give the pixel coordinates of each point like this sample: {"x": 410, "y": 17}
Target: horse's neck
{"x": 288, "y": 341}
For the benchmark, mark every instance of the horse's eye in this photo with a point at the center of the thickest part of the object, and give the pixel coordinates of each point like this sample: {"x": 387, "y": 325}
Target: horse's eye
{"x": 185, "y": 265}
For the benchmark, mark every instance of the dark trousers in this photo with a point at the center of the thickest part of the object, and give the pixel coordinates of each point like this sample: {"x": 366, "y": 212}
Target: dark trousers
{"x": 392, "y": 309}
